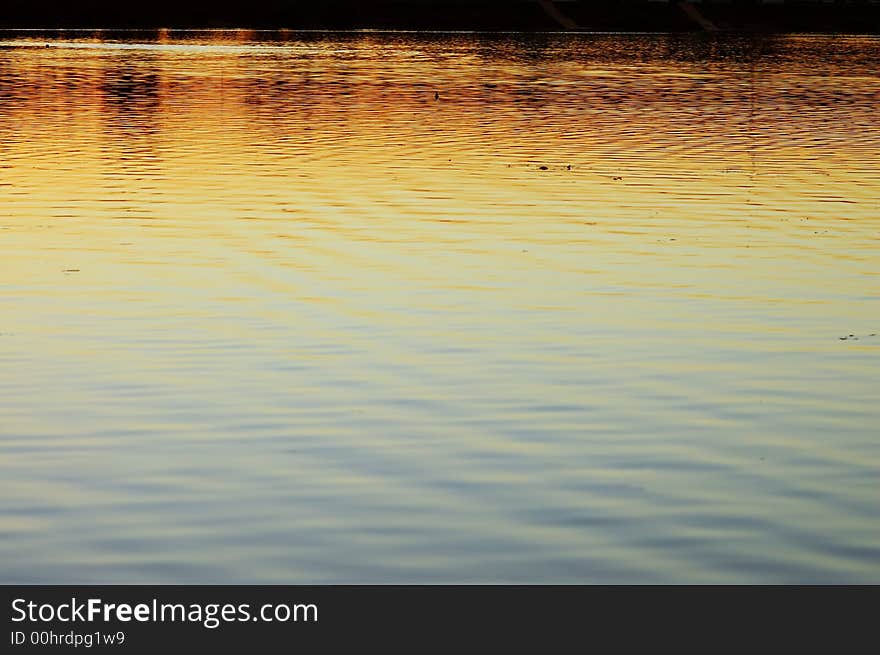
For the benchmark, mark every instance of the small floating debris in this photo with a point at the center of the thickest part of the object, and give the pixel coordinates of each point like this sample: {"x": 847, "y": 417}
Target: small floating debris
{"x": 71, "y": 270}
{"x": 436, "y": 95}
{"x": 537, "y": 166}
{"x": 617, "y": 178}
{"x": 853, "y": 337}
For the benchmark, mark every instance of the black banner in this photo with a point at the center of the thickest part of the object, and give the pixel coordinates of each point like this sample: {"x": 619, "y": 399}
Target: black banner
{"x": 168, "y": 618}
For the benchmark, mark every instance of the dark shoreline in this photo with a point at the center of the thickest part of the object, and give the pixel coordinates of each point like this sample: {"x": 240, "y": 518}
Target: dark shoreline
{"x": 852, "y": 16}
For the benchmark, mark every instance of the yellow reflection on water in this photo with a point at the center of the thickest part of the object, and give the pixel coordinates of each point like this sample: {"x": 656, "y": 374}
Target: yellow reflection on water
{"x": 588, "y": 299}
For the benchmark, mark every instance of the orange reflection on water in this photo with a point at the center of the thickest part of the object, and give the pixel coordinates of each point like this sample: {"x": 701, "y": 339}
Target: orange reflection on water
{"x": 503, "y": 288}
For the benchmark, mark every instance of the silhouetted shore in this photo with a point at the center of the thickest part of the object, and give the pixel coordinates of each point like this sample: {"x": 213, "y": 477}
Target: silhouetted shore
{"x": 852, "y": 16}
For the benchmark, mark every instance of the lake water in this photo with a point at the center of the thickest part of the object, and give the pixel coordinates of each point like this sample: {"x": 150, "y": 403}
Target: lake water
{"x": 604, "y": 311}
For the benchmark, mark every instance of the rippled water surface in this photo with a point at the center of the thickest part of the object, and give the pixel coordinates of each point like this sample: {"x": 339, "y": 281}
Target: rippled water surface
{"x": 604, "y": 311}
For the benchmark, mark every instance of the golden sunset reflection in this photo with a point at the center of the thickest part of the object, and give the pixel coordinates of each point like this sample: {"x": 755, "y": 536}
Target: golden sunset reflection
{"x": 528, "y": 292}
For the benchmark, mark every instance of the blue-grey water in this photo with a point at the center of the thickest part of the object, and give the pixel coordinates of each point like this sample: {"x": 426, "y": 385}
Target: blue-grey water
{"x": 439, "y": 308}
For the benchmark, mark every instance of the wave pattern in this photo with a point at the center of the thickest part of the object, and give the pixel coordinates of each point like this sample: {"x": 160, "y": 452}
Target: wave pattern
{"x": 603, "y": 309}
